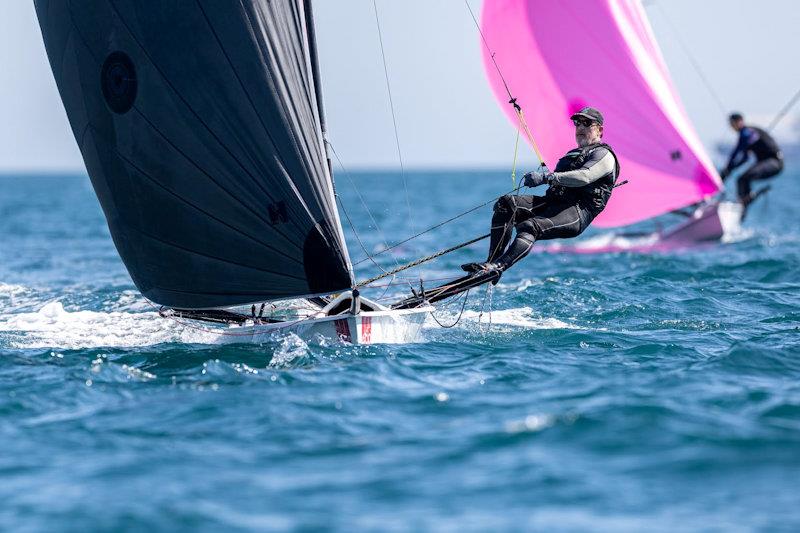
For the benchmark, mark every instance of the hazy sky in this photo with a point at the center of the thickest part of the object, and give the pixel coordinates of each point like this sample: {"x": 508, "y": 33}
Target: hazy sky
{"x": 446, "y": 113}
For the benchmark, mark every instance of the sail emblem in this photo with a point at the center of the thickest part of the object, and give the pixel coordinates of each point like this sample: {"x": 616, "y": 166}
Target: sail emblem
{"x": 277, "y": 213}
{"x": 118, "y": 81}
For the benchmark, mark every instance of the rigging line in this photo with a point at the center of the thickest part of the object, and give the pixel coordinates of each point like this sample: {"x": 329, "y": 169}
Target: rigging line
{"x": 386, "y": 289}
{"x": 363, "y": 203}
{"x": 486, "y": 44}
{"x": 458, "y": 318}
{"x": 394, "y": 117}
{"x": 398, "y": 283}
{"x": 512, "y": 100}
{"x": 691, "y": 58}
{"x": 440, "y": 224}
{"x": 622, "y": 108}
{"x": 488, "y": 295}
{"x": 358, "y": 238}
{"x": 447, "y": 303}
{"x": 353, "y": 227}
{"x": 514, "y": 164}
{"x": 509, "y": 226}
{"x": 422, "y": 260}
{"x": 783, "y": 112}
{"x": 426, "y": 280}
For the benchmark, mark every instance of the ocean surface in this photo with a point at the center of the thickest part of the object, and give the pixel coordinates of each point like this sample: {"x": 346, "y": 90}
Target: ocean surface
{"x": 608, "y": 392}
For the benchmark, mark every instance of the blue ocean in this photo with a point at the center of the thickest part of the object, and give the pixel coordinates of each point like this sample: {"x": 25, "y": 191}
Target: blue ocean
{"x": 585, "y": 392}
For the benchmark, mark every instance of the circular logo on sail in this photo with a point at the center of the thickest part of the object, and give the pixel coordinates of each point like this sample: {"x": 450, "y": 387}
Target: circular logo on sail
{"x": 118, "y": 81}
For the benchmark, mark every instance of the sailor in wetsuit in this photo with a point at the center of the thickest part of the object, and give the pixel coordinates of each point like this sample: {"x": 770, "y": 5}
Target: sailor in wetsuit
{"x": 769, "y": 159}
{"x": 579, "y": 189}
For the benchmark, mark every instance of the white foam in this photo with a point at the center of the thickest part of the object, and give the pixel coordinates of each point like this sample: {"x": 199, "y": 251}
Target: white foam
{"x": 53, "y": 326}
{"x": 14, "y": 295}
{"x": 130, "y": 300}
{"x": 8, "y": 289}
{"x": 519, "y": 286}
{"x": 521, "y": 317}
{"x": 291, "y": 347}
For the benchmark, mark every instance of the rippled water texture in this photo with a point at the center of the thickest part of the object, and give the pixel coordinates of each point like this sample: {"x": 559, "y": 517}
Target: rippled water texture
{"x": 602, "y": 392}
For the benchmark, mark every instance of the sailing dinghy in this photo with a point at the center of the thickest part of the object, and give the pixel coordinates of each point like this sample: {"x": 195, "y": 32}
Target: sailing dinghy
{"x": 202, "y": 130}
{"x": 562, "y": 56}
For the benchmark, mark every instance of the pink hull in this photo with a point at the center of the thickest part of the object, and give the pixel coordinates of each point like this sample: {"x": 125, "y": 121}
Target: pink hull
{"x": 711, "y": 223}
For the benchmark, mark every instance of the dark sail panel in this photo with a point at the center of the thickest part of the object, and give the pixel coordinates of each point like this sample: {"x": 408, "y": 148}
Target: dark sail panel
{"x": 199, "y": 123}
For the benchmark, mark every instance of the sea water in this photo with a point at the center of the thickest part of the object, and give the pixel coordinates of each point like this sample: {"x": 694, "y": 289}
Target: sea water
{"x": 623, "y": 392}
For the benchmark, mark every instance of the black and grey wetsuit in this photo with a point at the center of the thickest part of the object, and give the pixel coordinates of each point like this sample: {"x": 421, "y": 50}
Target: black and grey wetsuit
{"x": 769, "y": 159}
{"x": 579, "y": 190}
{"x": 585, "y": 176}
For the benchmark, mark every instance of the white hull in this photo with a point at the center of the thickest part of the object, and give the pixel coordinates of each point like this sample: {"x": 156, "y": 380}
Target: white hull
{"x": 378, "y": 325}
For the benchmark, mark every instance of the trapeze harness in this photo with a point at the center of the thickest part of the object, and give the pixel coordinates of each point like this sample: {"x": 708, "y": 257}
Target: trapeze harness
{"x": 562, "y": 213}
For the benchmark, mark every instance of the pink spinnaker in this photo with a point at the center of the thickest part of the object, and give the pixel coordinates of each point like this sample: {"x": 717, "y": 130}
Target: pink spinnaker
{"x": 559, "y": 56}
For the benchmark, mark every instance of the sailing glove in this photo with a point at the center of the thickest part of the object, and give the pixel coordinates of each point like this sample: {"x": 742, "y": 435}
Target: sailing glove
{"x": 536, "y": 178}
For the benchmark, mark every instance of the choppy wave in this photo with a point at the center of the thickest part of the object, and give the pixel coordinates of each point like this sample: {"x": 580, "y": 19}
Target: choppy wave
{"x": 584, "y": 392}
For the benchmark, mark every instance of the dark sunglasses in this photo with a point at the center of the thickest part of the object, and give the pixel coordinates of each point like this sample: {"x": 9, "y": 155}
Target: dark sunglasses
{"x": 585, "y": 122}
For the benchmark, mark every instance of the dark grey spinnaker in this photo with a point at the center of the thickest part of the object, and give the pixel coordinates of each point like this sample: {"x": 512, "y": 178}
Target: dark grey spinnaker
{"x": 200, "y": 125}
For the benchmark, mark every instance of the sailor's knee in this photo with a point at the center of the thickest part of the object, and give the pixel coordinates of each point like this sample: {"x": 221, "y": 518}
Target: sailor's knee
{"x": 529, "y": 229}
{"x": 504, "y": 204}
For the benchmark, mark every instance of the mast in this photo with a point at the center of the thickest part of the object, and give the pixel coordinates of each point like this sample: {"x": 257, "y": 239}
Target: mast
{"x": 312, "y": 50}
{"x": 308, "y": 11}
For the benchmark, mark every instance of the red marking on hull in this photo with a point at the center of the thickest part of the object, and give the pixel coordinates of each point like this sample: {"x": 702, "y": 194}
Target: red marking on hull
{"x": 366, "y": 328}
{"x": 343, "y": 330}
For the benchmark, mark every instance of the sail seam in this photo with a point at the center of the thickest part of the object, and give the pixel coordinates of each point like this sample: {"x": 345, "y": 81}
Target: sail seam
{"x": 293, "y": 188}
{"x": 167, "y": 82}
{"x": 193, "y": 112}
{"x": 394, "y": 121}
{"x": 209, "y": 215}
{"x": 212, "y": 180}
{"x": 364, "y": 205}
{"x": 202, "y": 254}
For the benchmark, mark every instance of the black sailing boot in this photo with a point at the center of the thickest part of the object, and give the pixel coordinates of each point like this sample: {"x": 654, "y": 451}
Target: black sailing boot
{"x": 498, "y": 240}
{"x": 518, "y": 249}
